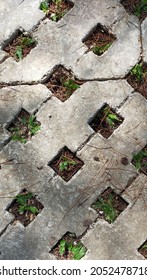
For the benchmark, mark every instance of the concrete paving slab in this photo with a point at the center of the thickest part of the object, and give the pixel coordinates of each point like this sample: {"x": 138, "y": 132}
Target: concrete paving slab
{"x": 14, "y": 15}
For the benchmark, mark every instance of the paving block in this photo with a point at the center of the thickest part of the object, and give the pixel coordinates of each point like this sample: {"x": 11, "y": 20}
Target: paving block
{"x": 121, "y": 239}
{"x": 112, "y": 64}
{"x": 15, "y": 14}
{"x": 27, "y": 97}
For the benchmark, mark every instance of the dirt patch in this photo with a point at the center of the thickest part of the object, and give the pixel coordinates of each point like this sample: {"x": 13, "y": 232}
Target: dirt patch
{"x": 109, "y": 205}
{"x": 136, "y": 7}
{"x": 56, "y": 9}
{"x": 140, "y": 160}
{"x": 62, "y": 83}
{"x": 140, "y": 85}
{"x": 66, "y": 164}
{"x": 143, "y": 249}
{"x": 21, "y": 46}
{"x": 69, "y": 247}
{"x": 99, "y": 40}
{"x": 25, "y": 207}
{"x": 106, "y": 121}
{"x": 23, "y": 127}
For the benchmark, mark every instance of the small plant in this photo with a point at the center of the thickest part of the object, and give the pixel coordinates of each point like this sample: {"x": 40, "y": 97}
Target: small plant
{"x": 25, "y": 207}
{"x": 17, "y": 137}
{"x": 111, "y": 118}
{"x": 70, "y": 85}
{"x": 77, "y": 250}
{"x": 107, "y": 207}
{"x": 44, "y": 6}
{"x": 66, "y": 163}
{"x": 24, "y": 203}
{"x": 140, "y": 8}
{"x": 54, "y": 9}
{"x": 137, "y": 78}
{"x": 20, "y": 46}
{"x": 23, "y": 128}
{"x": 24, "y": 42}
{"x": 62, "y": 83}
{"x": 105, "y": 121}
{"x": 57, "y": 2}
{"x": 137, "y": 159}
{"x": 99, "y": 50}
{"x": 137, "y": 71}
{"x": 99, "y": 40}
{"x": 33, "y": 126}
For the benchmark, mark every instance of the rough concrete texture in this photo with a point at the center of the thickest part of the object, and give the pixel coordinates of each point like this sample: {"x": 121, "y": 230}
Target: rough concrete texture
{"x": 67, "y": 205}
{"x": 144, "y": 39}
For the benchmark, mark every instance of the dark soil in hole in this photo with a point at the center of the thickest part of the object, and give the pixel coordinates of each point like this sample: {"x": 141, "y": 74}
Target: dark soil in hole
{"x": 139, "y": 86}
{"x": 69, "y": 247}
{"x": 62, "y": 83}
{"x": 26, "y": 208}
{"x": 143, "y": 249}
{"x": 66, "y": 164}
{"x": 106, "y": 121}
{"x": 109, "y": 205}
{"x": 99, "y": 40}
{"x": 140, "y": 161}
{"x": 20, "y": 46}
{"x": 135, "y": 7}
{"x": 23, "y": 127}
{"x": 56, "y": 11}
{"x": 2, "y": 85}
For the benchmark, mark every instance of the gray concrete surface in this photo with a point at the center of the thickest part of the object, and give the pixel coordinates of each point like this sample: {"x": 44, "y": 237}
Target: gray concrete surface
{"x": 67, "y": 205}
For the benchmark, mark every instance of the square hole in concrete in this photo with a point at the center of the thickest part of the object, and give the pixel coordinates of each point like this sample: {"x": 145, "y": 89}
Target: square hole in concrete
{"x": 62, "y": 83}
{"x": 69, "y": 247}
{"x": 99, "y": 40}
{"x": 106, "y": 121}
{"x": 56, "y": 9}
{"x": 137, "y": 78}
{"x": 143, "y": 249}
{"x": 20, "y": 46}
{"x": 66, "y": 164}
{"x": 136, "y": 7}
{"x": 25, "y": 207}
{"x": 140, "y": 160}
{"x": 23, "y": 127}
{"x": 109, "y": 205}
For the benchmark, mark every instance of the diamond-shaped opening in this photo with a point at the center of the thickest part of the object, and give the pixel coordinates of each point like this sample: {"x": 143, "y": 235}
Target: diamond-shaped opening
{"x": 136, "y": 7}
{"x": 62, "y": 83}
{"x": 25, "y": 207}
{"x": 140, "y": 160}
{"x": 56, "y": 9}
{"x": 23, "y": 127}
{"x": 143, "y": 249}
{"x": 66, "y": 164}
{"x": 109, "y": 205}
{"x": 137, "y": 78}
{"x": 105, "y": 121}
{"x": 69, "y": 247}
{"x": 99, "y": 40}
{"x": 20, "y": 45}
